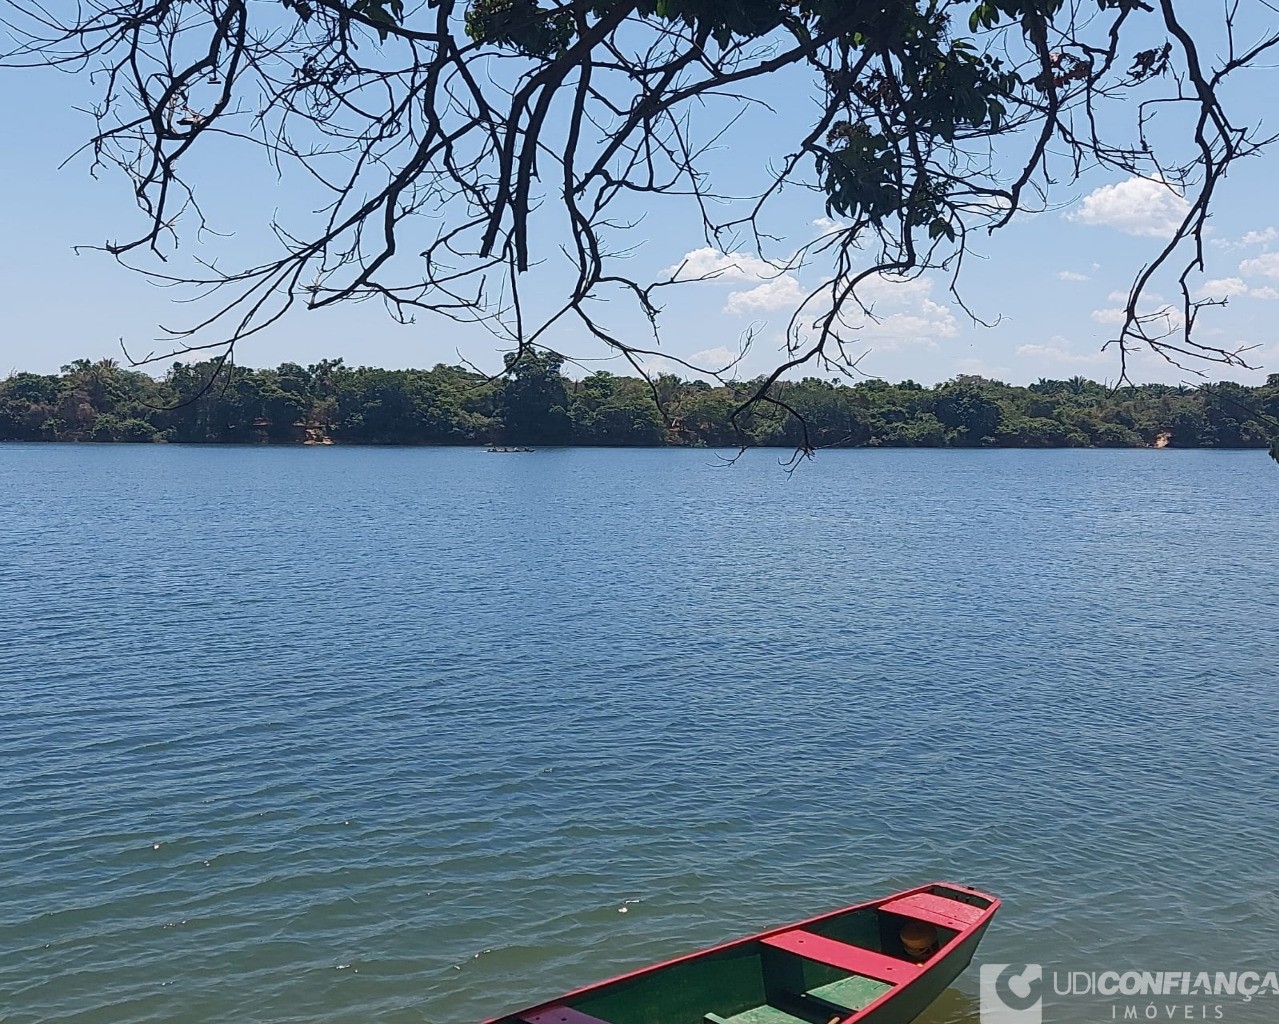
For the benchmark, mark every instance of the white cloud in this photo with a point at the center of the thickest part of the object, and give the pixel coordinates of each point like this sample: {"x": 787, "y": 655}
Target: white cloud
{"x": 1146, "y": 297}
{"x": 1227, "y": 287}
{"x": 981, "y": 368}
{"x": 931, "y": 321}
{"x": 1165, "y": 317}
{"x": 708, "y": 264}
{"x": 715, "y": 358}
{"x": 899, "y": 329}
{"x": 889, "y": 289}
{"x": 1138, "y": 206}
{"x": 904, "y": 312}
{"x": 1070, "y": 275}
{"x": 825, "y": 225}
{"x": 1108, "y": 316}
{"x": 780, "y": 293}
{"x": 1265, "y": 265}
{"x": 779, "y": 289}
{"x": 1248, "y": 240}
{"x": 660, "y": 364}
{"x": 1058, "y": 354}
{"x": 1223, "y": 288}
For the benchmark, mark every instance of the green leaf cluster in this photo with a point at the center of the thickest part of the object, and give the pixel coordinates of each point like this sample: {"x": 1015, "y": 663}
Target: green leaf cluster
{"x": 521, "y": 25}
{"x": 924, "y": 88}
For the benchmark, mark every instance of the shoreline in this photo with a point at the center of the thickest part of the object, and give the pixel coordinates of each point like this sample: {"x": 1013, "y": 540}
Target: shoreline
{"x": 483, "y": 447}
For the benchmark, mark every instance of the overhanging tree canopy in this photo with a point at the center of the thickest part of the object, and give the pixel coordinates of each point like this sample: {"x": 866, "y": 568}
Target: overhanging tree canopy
{"x": 460, "y": 144}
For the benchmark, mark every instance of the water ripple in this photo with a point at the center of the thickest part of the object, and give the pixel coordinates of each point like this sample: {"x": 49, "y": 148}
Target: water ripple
{"x": 418, "y": 735}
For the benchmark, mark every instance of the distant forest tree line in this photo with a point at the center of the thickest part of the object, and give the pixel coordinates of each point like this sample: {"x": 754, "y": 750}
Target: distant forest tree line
{"x": 535, "y": 404}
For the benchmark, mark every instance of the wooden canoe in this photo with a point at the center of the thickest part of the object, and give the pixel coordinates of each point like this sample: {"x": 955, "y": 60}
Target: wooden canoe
{"x": 854, "y": 965}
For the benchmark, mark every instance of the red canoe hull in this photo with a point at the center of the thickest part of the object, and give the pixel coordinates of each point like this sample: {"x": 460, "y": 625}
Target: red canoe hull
{"x": 853, "y": 965}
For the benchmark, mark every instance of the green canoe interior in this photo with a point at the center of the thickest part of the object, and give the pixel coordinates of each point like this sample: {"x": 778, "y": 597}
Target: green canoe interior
{"x": 754, "y": 983}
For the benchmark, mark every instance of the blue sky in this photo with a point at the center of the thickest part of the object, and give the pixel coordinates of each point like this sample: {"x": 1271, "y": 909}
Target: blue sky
{"x": 1053, "y": 281}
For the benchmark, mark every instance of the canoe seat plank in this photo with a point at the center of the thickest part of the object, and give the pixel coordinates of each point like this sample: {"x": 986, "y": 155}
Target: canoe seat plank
{"x": 765, "y": 1014}
{"x": 847, "y": 994}
{"x": 561, "y": 1015}
{"x": 935, "y": 910}
{"x": 847, "y": 958}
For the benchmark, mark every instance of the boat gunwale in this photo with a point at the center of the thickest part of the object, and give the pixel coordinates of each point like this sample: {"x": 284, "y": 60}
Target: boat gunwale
{"x": 936, "y": 960}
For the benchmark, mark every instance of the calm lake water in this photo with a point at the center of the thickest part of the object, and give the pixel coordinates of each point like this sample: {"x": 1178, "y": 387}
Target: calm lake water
{"x": 340, "y": 735}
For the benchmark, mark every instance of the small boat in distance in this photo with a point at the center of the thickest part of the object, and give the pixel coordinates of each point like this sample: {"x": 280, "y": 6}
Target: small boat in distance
{"x": 881, "y": 962}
